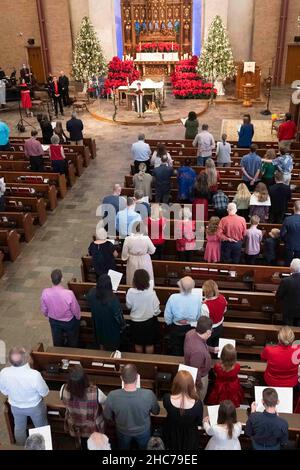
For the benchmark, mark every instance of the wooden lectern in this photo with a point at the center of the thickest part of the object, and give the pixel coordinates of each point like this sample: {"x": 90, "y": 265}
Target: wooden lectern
{"x": 243, "y": 79}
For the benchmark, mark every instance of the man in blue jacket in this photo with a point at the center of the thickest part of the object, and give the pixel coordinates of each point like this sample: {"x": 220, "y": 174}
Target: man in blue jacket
{"x": 290, "y": 234}
{"x": 75, "y": 128}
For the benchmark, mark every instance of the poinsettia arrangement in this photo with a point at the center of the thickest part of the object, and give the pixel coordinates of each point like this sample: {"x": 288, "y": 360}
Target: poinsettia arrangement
{"x": 158, "y": 47}
{"x": 120, "y": 73}
{"x": 187, "y": 83}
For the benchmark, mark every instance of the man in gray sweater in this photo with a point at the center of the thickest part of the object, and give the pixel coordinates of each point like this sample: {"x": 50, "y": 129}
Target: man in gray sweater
{"x": 130, "y": 409}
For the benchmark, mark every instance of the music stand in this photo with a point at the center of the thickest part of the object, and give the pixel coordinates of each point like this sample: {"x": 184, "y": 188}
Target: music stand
{"x": 20, "y": 125}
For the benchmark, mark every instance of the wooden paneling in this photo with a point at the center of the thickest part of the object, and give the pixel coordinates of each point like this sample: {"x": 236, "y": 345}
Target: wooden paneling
{"x": 293, "y": 64}
{"x": 35, "y": 60}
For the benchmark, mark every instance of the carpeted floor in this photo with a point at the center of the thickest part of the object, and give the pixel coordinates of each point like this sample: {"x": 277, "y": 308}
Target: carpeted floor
{"x": 262, "y": 129}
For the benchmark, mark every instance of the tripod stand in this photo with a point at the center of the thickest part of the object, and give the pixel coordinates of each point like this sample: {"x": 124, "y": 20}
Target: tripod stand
{"x": 20, "y": 125}
{"x": 268, "y": 82}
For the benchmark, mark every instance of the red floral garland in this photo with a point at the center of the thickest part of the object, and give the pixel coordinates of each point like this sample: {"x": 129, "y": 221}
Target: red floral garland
{"x": 120, "y": 73}
{"x": 187, "y": 84}
{"x": 157, "y": 47}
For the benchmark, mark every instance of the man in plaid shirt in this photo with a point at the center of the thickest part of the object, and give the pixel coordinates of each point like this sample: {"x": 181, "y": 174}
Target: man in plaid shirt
{"x": 220, "y": 203}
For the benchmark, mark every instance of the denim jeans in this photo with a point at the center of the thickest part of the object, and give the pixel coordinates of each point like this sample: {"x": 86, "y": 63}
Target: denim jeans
{"x": 38, "y": 416}
{"x": 142, "y": 440}
{"x": 264, "y": 447}
{"x": 62, "y": 329}
{"x": 202, "y": 160}
{"x": 231, "y": 252}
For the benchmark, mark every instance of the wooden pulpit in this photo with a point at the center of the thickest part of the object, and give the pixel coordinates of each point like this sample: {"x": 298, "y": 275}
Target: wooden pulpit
{"x": 250, "y": 78}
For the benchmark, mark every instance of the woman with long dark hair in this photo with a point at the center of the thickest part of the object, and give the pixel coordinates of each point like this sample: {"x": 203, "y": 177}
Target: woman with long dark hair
{"x": 201, "y": 196}
{"x": 107, "y": 314}
{"x": 184, "y": 414}
{"x": 83, "y": 402}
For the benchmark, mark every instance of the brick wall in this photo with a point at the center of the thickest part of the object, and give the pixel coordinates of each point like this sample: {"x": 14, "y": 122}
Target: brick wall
{"x": 17, "y": 17}
{"x": 57, "y": 18}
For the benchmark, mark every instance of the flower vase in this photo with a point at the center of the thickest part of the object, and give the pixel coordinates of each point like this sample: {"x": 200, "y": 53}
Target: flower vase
{"x": 219, "y": 87}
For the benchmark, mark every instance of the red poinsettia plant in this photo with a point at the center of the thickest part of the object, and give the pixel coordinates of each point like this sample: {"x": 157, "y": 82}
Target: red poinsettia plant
{"x": 187, "y": 84}
{"x": 158, "y": 47}
{"x": 120, "y": 73}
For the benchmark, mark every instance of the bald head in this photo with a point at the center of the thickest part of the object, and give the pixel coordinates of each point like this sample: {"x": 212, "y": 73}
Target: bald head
{"x": 98, "y": 441}
{"x": 117, "y": 189}
{"x": 186, "y": 284}
{"x": 231, "y": 208}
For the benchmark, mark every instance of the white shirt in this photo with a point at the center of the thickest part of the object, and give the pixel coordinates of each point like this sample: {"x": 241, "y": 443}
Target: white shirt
{"x": 255, "y": 202}
{"x": 141, "y": 151}
{"x": 156, "y": 161}
{"x": 143, "y": 304}
{"x": 220, "y": 439}
{"x": 223, "y": 152}
{"x": 24, "y": 387}
{"x": 205, "y": 143}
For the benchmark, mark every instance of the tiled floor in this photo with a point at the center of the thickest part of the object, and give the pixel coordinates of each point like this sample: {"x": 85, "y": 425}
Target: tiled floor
{"x": 65, "y": 237}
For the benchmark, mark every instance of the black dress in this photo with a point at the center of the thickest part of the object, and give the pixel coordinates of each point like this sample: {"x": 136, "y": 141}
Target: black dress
{"x": 103, "y": 258}
{"x": 108, "y": 320}
{"x": 181, "y": 430}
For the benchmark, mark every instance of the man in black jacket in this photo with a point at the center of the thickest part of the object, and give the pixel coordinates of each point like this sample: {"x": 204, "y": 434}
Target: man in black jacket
{"x": 56, "y": 93}
{"x": 162, "y": 177}
{"x": 290, "y": 234}
{"x": 64, "y": 83}
{"x": 75, "y": 128}
{"x": 288, "y": 294}
{"x": 280, "y": 194}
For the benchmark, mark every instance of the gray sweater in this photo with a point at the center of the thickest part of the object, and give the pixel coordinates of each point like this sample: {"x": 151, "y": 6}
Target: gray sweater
{"x": 131, "y": 410}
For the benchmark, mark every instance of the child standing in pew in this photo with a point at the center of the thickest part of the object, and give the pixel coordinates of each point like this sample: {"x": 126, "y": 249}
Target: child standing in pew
{"x": 267, "y": 430}
{"x": 227, "y": 384}
{"x": 271, "y": 246}
{"x": 225, "y": 434}
{"x": 213, "y": 243}
{"x": 253, "y": 239}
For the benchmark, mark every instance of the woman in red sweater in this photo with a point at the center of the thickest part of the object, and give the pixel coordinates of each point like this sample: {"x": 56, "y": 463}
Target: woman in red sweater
{"x": 214, "y": 307}
{"x": 156, "y": 224}
{"x": 227, "y": 385}
{"x": 282, "y": 360}
{"x": 57, "y": 156}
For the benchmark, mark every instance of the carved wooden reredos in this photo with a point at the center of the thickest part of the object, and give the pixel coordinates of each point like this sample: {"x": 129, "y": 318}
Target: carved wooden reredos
{"x": 157, "y": 21}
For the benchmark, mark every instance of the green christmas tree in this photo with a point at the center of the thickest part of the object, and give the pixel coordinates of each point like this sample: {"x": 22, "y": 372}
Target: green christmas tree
{"x": 88, "y": 57}
{"x": 216, "y": 60}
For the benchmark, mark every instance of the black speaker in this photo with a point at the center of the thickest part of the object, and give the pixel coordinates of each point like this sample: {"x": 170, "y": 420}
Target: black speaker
{"x": 31, "y": 42}
{"x": 297, "y": 38}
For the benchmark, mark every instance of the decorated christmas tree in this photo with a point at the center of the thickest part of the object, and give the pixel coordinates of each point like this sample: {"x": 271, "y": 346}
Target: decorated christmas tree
{"x": 88, "y": 57}
{"x": 216, "y": 60}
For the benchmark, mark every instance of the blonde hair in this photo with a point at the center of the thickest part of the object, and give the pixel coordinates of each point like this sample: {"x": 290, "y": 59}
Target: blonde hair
{"x": 274, "y": 233}
{"x": 210, "y": 170}
{"x": 213, "y": 226}
{"x": 261, "y": 192}
{"x": 243, "y": 192}
{"x": 270, "y": 154}
{"x": 210, "y": 289}
{"x": 101, "y": 233}
{"x": 286, "y": 336}
{"x": 254, "y": 220}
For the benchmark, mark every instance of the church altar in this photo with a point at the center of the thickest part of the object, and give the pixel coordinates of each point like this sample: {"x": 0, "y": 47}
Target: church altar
{"x": 157, "y": 57}
{"x": 150, "y": 88}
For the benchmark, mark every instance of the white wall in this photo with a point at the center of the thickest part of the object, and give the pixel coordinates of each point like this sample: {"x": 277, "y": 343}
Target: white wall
{"x": 102, "y": 15}
{"x": 240, "y": 28}
{"x": 211, "y": 8}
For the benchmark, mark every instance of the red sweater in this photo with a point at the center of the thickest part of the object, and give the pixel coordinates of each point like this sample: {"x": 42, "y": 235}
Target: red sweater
{"x": 287, "y": 131}
{"x": 217, "y": 308}
{"x": 232, "y": 227}
{"x": 282, "y": 365}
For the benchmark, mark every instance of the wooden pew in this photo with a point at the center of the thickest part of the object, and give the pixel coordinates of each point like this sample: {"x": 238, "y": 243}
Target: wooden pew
{"x": 182, "y": 143}
{"x": 228, "y": 276}
{"x": 23, "y": 223}
{"x": 259, "y": 307}
{"x": 74, "y": 158}
{"x": 45, "y": 191}
{"x": 20, "y": 166}
{"x": 53, "y": 179}
{"x": 104, "y": 370}
{"x": 1, "y": 263}
{"x": 56, "y": 413}
{"x": 36, "y": 207}
{"x": 10, "y": 244}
